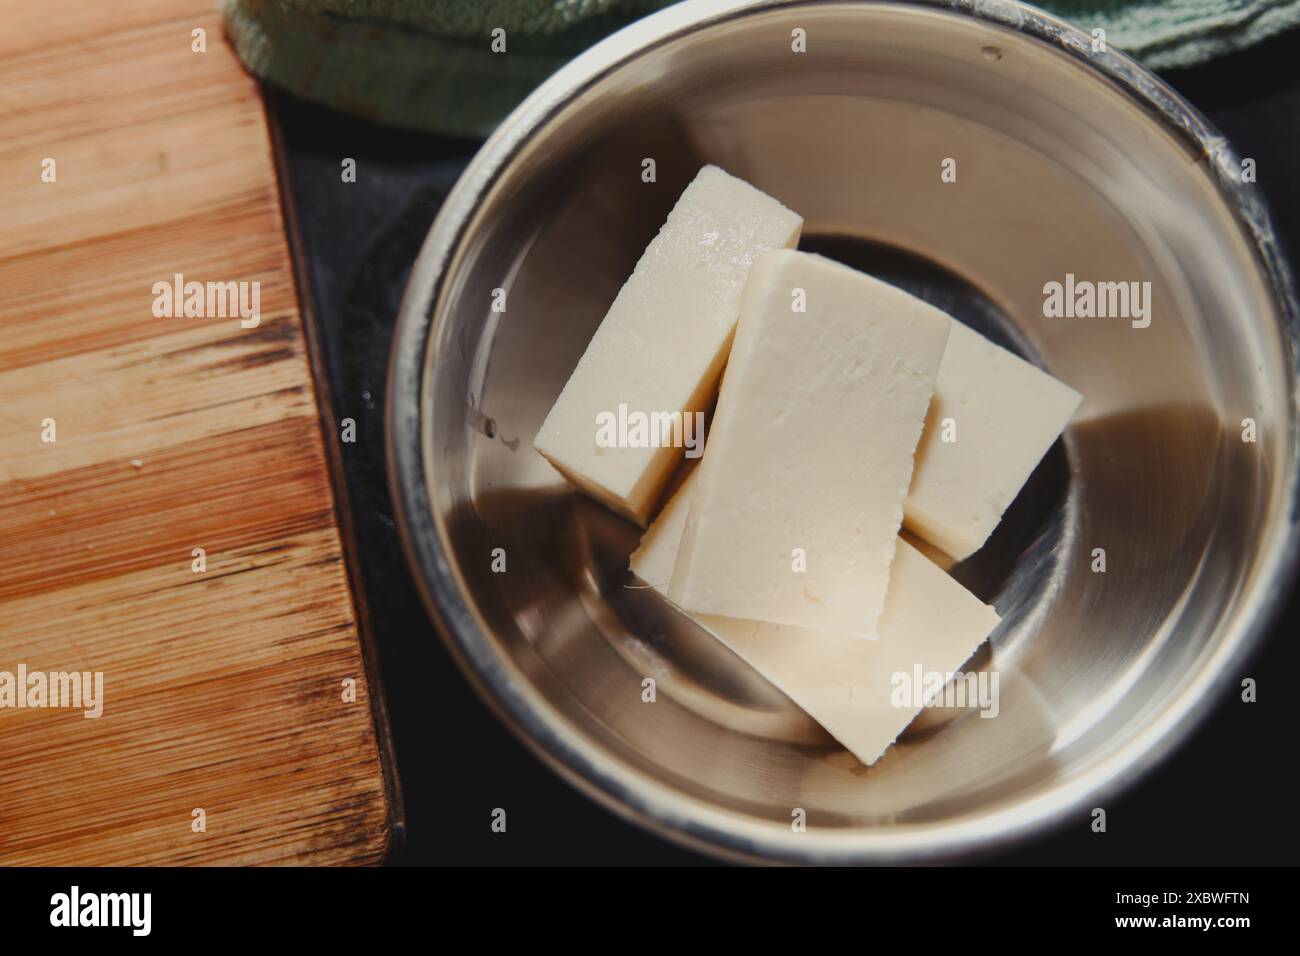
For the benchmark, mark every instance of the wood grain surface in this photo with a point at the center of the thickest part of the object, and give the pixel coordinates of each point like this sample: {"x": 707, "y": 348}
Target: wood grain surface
{"x": 224, "y": 689}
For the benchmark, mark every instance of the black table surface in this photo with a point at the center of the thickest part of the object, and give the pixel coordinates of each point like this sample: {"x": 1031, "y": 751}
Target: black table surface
{"x": 1227, "y": 796}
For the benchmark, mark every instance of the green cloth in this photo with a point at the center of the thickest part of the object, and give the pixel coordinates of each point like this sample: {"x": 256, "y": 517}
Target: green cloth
{"x": 428, "y": 64}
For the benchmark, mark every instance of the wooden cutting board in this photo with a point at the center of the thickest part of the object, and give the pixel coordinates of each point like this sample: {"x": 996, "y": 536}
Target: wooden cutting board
{"x": 225, "y": 689}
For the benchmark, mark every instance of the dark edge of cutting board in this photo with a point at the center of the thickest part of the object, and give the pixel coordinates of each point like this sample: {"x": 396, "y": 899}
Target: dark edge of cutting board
{"x": 342, "y": 503}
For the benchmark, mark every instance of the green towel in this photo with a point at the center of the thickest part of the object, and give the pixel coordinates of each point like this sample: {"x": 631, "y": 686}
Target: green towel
{"x": 428, "y": 64}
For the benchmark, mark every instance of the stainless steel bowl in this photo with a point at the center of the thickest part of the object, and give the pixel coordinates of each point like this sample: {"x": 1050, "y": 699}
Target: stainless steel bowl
{"x": 1069, "y": 161}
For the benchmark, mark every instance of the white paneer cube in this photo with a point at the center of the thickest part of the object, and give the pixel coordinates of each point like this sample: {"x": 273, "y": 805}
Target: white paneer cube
{"x": 800, "y": 496}
{"x": 663, "y": 343}
{"x": 993, "y": 418}
{"x": 930, "y": 624}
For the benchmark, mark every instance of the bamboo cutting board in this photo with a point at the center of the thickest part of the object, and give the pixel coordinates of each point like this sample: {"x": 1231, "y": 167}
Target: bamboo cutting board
{"x": 227, "y": 732}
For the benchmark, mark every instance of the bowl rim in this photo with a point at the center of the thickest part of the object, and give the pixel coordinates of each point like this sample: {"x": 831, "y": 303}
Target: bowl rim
{"x": 621, "y": 787}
